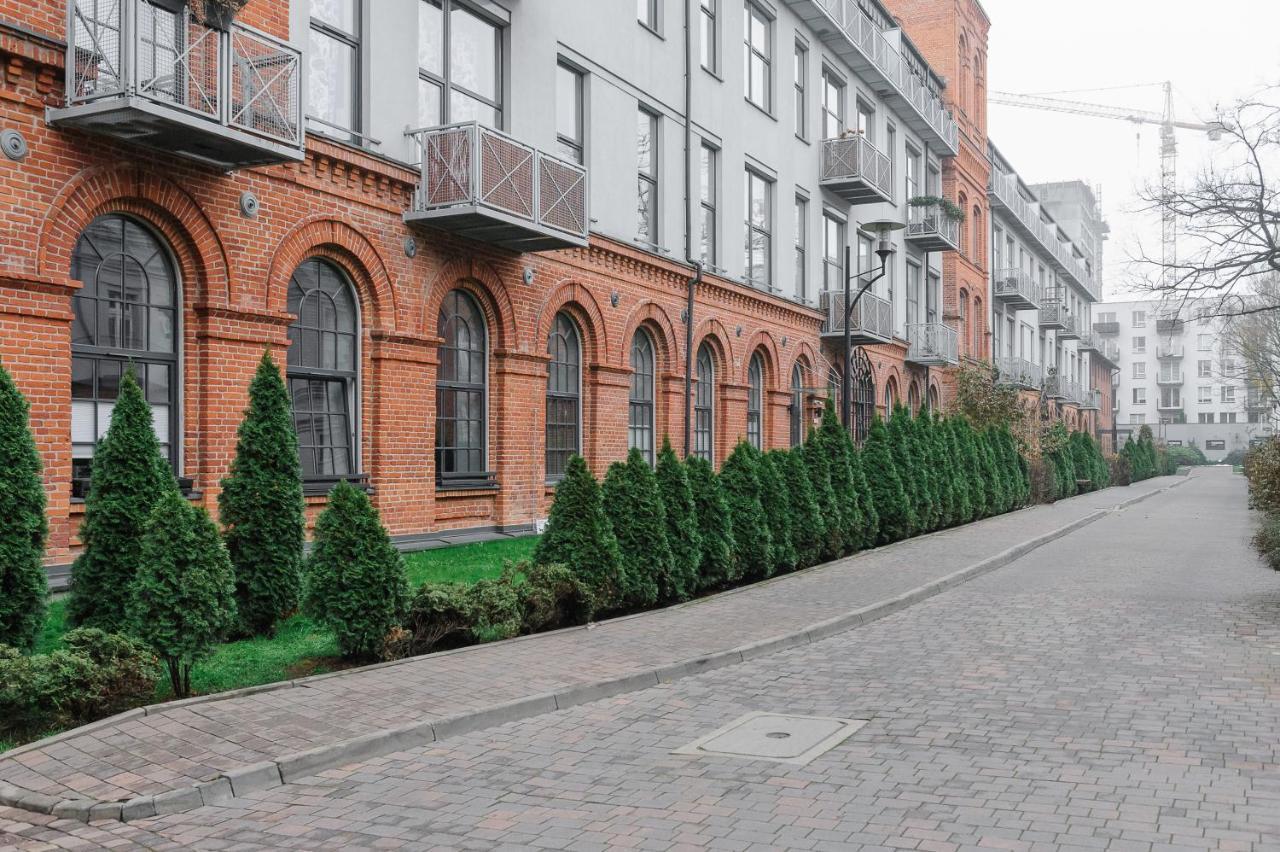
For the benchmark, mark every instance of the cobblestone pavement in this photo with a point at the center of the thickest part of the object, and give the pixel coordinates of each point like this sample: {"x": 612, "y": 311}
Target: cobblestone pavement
{"x": 178, "y": 745}
{"x": 1116, "y": 689}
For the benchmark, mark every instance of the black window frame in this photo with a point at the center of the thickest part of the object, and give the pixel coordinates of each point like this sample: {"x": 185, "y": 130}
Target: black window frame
{"x": 800, "y": 69}
{"x": 765, "y": 231}
{"x": 444, "y": 80}
{"x": 709, "y": 35}
{"x": 648, "y": 216}
{"x": 801, "y": 244}
{"x": 470, "y": 475}
{"x": 641, "y": 408}
{"x": 755, "y": 401}
{"x": 573, "y": 148}
{"x": 562, "y": 398}
{"x": 756, "y": 11}
{"x": 704, "y": 405}
{"x": 355, "y": 41}
{"x": 833, "y": 264}
{"x": 797, "y": 405}
{"x": 708, "y": 203}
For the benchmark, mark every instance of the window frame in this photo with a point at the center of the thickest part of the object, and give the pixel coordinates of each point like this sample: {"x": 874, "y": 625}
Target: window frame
{"x": 559, "y": 394}
{"x": 649, "y": 177}
{"x": 833, "y": 267}
{"x": 765, "y": 231}
{"x": 704, "y": 404}
{"x": 833, "y": 83}
{"x": 467, "y": 478}
{"x": 573, "y": 149}
{"x": 800, "y": 213}
{"x": 755, "y": 401}
{"x": 445, "y": 80}
{"x": 651, "y": 20}
{"x": 709, "y": 36}
{"x": 708, "y": 202}
{"x": 755, "y": 11}
{"x": 355, "y": 41}
{"x": 648, "y": 424}
{"x": 797, "y": 405}
{"x": 800, "y": 69}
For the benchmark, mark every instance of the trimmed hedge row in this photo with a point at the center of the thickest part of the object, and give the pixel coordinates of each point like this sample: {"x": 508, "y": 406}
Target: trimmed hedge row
{"x": 1262, "y": 470}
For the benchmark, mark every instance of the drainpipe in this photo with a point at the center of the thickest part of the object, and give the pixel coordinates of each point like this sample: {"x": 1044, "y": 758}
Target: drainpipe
{"x": 688, "y": 229}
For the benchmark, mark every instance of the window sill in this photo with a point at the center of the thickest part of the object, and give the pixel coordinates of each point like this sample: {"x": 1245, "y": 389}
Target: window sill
{"x": 713, "y": 74}
{"x": 320, "y": 486}
{"x": 761, "y": 109}
{"x": 186, "y": 486}
{"x": 466, "y": 489}
{"x": 650, "y": 30}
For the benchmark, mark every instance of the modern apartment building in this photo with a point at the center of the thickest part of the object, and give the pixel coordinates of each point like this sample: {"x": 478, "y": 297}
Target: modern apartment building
{"x": 1179, "y": 375}
{"x": 481, "y": 235}
{"x": 1046, "y": 249}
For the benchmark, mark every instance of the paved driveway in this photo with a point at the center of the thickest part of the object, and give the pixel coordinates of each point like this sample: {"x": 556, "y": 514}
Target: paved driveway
{"x": 1116, "y": 689}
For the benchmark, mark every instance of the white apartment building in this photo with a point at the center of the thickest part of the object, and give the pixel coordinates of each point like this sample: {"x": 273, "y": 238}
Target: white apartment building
{"x": 1178, "y": 376}
{"x": 1046, "y": 250}
{"x": 744, "y": 154}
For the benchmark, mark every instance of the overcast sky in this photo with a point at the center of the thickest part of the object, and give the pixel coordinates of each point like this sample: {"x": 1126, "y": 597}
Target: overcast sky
{"x": 1213, "y": 52}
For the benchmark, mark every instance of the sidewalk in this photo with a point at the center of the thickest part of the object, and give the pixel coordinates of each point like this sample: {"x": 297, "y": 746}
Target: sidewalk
{"x": 179, "y": 756}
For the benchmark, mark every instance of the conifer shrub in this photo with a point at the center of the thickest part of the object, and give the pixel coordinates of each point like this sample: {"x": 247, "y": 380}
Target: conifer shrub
{"x": 1081, "y": 461}
{"x": 907, "y": 463}
{"x": 551, "y": 596}
{"x": 440, "y": 615}
{"x": 579, "y": 536}
{"x": 887, "y": 494}
{"x": 979, "y": 495}
{"x": 997, "y": 498}
{"x": 634, "y": 509}
{"x": 355, "y": 581}
{"x": 682, "y": 528}
{"x": 715, "y": 526}
{"x": 23, "y": 528}
{"x": 808, "y": 534}
{"x": 497, "y": 612}
{"x": 1044, "y": 480}
{"x": 838, "y": 447}
{"x": 818, "y": 462}
{"x": 1119, "y": 470}
{"x": 866, "y": 503}
{"x": 753, "y": 545}
{"x": 777, "y": 510}
{"x": 129, "y": 477}
{"x": 261, "y": 506}
{"x": 930, "y": 466}
{"x": 961, "y": 505}
{"x": 183, "y": 597}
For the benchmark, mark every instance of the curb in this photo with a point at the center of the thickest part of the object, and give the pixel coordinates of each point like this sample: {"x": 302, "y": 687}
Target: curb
{"x": 289, "y": 768}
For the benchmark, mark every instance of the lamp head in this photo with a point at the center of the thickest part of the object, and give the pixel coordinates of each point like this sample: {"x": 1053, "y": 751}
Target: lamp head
{"x": 884, "y": 247}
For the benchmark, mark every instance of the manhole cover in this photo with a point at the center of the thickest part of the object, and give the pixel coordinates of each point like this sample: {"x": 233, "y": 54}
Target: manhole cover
{"x": 774, "y": 736}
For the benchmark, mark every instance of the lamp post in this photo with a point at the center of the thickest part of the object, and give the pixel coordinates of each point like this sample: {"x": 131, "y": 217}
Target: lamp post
{"x": 884, "y": 250}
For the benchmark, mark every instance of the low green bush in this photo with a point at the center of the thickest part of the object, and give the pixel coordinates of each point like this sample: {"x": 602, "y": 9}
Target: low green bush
{"x": 496, "y": 610}
{"x": 439, "y": 616}
{"x": 1186, "y": 456}
{"x": 1267, "y": 540}
{"x": 551, "y": 596}
{"x": 1121, "y": 472}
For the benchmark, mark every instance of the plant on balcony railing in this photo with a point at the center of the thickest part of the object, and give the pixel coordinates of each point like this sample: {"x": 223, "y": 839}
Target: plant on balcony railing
{"x": 952, "y": 211}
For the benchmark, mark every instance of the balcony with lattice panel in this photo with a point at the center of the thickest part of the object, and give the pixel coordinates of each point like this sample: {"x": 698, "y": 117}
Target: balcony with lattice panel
{"x": 856, "y": 170}
{"x": 870, "y": 319}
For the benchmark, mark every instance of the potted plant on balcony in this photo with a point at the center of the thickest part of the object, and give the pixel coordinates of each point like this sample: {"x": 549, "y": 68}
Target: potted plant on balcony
{"x": 950, "y": 209}
{"x": 218, "y": 14}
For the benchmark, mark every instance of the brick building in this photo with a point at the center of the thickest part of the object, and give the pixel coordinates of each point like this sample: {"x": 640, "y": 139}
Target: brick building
{"x": 460, "y": 308}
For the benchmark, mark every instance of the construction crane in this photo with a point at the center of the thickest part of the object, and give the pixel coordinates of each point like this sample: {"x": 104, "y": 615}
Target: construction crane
{"x": 1168, "y": 145}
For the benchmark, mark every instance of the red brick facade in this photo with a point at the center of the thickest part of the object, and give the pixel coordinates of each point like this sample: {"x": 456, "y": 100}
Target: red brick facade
{"x": 346, "y": 206}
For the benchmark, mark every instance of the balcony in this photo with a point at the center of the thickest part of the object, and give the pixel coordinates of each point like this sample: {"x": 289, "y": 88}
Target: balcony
{"x": 141, "y": 72}
{"x": 1018, "y": 372}
{"x": 1054, "y": 315}
{"x": 1070, "y": 326}
{"x": 1092, "y": 401}
{"x": 1169, "y": 350}
{"x": 930, "y": 229}
{"x": 1171, "y": 379}
{"x": 1004, "y": 193}
{"x": 482, "y": 184}
{"x": 870, "y": 321}
{"x": 1055, "y": 387}
{"x": 856, "y": 170}
{"x": 1168, "y": 322}
{"x": 1106, "y": 328}
{"x": 933, "y": 344}
{"x": 1106, "y": 350}
{"x": 1170, "y": 405}
{"x": 1017, "y": 289}
{"x": 896, "y": 77}
{"x": 1258, "y": 401}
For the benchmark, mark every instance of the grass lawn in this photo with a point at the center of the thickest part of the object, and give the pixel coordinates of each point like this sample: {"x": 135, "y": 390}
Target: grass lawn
{"x": 300, "y": 647}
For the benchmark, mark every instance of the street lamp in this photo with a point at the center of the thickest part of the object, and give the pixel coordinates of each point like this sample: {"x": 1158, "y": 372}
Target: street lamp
{"x": 884, "y": 250}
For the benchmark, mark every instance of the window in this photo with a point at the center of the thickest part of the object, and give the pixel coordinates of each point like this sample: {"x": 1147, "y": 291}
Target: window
{"x": 640, "y": 402}
{"x": 801, "y": 90}
{"x": 126, "y": 313}
{"x": 1228, "y": 417}
{"x": 1137, "y": 419}
{"x": 914, "y": 284}
{"x": 709, "y": 35}
{"x": 1170, "y": 398}
{"x": 333, "y": 66}
{"x": 704, "y": 395}
{"x": 931, "y": 294}
{"x": 759, "y": 229}
{"x": 564, "y": 396}
{"x": 832, "y": 253}
{"x": 1139, "y": 319}
{"x": 1139, "y": 370}
{"x": 1228, "y": 393}
{"x": 964, "y": 315}
{"x": 1139, "y": 396}
{"x": 755, "y": 402}
{"x": 866, "y": 121}
{"x": 1204, "y": 342}
{"x": 832, "y": 105}
{"x": 1204, "y": 394}
{"x": 1206, "y": 417}
{"x": 708, "y": 170}
{"x": 1139, "y": 345}
{"x": 1107, "y": 316}
{"x": 647, "y": 13}
{"x": 914, "y": 164}
{"x": 322, "y": 369}
{"x": 1215, "y": 444}
{"x": 802, "y": 245}
{"x": 797, "y": 405}
{"x": 461, "y": 392}
{"x": 758, "y": 57}
{"x": 647, "y": 176}
{"x": 459, "y": 65}
{"x": 1204, "y": 369}
{"x": 569, "y": 122}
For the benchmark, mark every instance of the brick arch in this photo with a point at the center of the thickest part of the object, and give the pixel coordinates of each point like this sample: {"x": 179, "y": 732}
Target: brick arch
{"x": 806, "y": 353}
{"x": 935, "y": 388}
{"x": 713, "y": 331}
{"x": 351, "y": 251}
{"x": 762, "y": 342}
{"x": 577, "y": 301}
{"x": 655, "y": 319}
{"x": 481, "y": 281}
{"x": 151, "y": 198}
{"x": 885, "y": 376}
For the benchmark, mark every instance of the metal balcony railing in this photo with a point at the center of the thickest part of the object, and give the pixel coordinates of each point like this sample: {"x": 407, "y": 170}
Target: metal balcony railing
{"x": 870, "y": 321}
{"x": 856, "y": 170}
{"x": 1110, "y": 327}
{"x": 156, "y": 74}
{"x": 1092, "y": 401}
{"x": 1054, "y": 386}
{"x": 931, "y": 229}
{"x": 1054, "y": 314}
{"x": 1169, "y": 322}
{"x": 1169, "y": 350}
{"x": 1017, "y": 288}
{"x": 867, "y": 49}
{"x": 933, "y": 344}
{"x": 1019, "y": 372}
{"x": 487, "y": 185}
{"x": 1003, "y": 189}
{"x": 1172, "y": 377}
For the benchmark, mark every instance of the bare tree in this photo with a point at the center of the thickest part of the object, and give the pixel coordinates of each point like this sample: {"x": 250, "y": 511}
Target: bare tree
{"x": 1228, "y": 218}
{"x": 1253, "y": 336}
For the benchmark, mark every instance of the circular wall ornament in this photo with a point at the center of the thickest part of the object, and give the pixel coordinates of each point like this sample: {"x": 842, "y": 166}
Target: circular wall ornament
{"x": 249, "y": 205}
{"x": 14, "y": 145}
{"x": 410, "y": 247}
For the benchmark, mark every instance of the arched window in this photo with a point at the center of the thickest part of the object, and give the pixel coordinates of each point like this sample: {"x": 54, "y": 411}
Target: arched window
{"x": 913, "y": 398}
{"x": 462, "y": 393}
{"x": 862, "y": 386}
{"x": 797, "y": 405}
{"x": 704, "y": 406}
{"x": 935, "y": 404}
{"x": 964, "y": 318}
{"x": 322, "y": 369}
{"x": 640, "y": 403}
{"x": 976, "y": 230}
{"x": 978, "y": 326}
{"x": 965, "y": 226}
{"x": 755, "y": 402}
{"x": 126, "y": 313}
{"x": 890, "y": 395}
{"x": 564, "y": 396}
{"x": 834, "y": 389}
